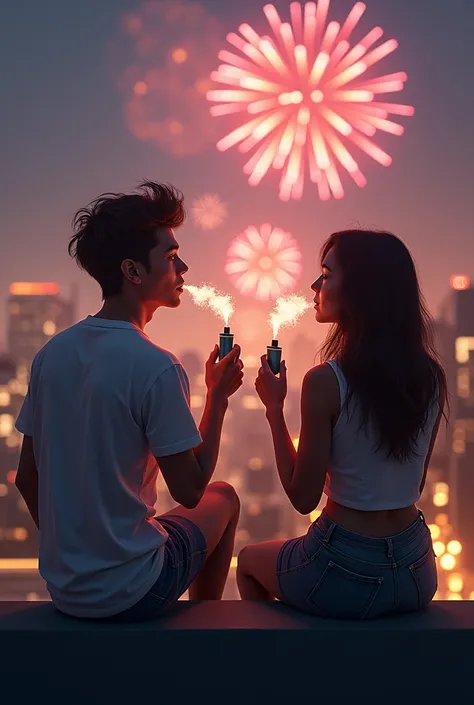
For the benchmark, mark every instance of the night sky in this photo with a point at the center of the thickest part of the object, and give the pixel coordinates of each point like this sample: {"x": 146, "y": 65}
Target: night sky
{"x": 64, "y": 140}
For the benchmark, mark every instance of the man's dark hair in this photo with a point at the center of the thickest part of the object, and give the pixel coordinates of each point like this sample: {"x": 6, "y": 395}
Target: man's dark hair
{"x": 118, "y": 226}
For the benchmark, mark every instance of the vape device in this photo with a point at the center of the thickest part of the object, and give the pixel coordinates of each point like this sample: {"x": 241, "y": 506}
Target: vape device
{"x": 226, "y": 342}
{"x": 274, "y": 357}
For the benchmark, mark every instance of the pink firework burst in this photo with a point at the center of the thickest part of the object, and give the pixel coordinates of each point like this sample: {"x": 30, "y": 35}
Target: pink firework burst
{"x": 209, "y": 212}
{"x": 306, "y": 99}
{"x": 264, "y": 263}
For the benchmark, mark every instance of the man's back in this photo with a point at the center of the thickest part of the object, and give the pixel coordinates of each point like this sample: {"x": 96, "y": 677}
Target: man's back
{"x": 103, "y": 400}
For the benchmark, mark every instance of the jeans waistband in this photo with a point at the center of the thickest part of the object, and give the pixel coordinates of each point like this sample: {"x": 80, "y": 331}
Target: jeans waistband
{"x": 333, "y": 531}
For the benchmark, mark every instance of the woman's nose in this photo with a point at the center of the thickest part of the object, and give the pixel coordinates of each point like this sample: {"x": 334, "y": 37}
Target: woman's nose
{"x": 315, "y": 286}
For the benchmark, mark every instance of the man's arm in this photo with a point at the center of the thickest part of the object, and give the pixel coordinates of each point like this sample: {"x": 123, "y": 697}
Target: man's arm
{"x": 27, "y": 478}
{"x": 187, "y": 474}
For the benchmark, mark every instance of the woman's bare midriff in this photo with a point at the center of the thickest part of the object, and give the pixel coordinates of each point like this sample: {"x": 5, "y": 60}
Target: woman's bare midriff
{"x": 377, "y": 524}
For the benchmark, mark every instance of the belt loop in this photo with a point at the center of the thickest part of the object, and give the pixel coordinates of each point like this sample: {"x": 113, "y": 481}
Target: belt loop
{"x": 332, "y": 526}
{"x": 389, "y": 548}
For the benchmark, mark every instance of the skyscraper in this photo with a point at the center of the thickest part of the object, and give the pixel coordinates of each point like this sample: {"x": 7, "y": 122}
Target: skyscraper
{"x": 18, "y": 534}
{"x": 463, "y": 421}
{"x": 36, "y": 312}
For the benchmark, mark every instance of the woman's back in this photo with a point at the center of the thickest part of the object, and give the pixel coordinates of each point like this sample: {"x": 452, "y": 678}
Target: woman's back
{"x": 363, "y": 477}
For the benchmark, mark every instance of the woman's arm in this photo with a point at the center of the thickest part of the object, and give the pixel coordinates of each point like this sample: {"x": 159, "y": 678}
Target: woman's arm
{"x": 303, "y": 472}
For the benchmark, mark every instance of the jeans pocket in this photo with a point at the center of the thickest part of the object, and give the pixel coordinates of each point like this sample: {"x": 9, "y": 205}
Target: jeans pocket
{"x": 342, "y": 594}
{"x": 426, "y": 577}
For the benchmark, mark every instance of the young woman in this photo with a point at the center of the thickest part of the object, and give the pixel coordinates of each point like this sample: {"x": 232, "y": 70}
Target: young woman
{"x": 370, "y": 415}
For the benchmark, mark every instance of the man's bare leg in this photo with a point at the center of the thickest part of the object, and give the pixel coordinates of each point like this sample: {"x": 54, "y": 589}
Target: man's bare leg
{"x": 217, "y": 515}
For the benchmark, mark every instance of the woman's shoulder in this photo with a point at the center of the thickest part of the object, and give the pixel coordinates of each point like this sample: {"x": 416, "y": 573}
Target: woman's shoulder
{"x": 320, "y": 393}
{"x": 322, "y": 378}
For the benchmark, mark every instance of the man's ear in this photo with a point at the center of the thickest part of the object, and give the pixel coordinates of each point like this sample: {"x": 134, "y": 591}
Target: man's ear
{"x": 130, "y": 271}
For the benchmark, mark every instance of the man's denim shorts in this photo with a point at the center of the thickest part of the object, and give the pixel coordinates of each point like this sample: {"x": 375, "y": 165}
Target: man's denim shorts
{"x": 185, "y": 555}
{"x": 334, "y": 572}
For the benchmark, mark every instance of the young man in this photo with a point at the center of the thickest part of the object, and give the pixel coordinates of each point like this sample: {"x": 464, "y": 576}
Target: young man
{"x": 106, "y": 408}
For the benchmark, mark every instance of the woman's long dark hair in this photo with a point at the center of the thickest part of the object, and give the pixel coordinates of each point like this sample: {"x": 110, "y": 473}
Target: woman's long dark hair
{"x": 384, "y": 339}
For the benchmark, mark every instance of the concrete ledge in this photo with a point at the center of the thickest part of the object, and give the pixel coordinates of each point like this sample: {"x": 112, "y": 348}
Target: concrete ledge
{"x": 236, "y": 652}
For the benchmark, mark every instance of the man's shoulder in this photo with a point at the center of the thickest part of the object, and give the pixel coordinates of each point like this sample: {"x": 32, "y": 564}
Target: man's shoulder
{"x": 147, "y": 349}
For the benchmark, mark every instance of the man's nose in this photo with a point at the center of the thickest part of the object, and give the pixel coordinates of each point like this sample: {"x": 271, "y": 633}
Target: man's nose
{"x": 183, "y": 268}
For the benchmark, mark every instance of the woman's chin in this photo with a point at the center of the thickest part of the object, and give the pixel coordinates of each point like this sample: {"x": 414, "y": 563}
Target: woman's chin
{"x": 321, "y": 318}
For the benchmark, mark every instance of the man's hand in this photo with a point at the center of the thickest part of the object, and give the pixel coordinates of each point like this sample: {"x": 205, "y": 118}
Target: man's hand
{"x": 224, "y": 377}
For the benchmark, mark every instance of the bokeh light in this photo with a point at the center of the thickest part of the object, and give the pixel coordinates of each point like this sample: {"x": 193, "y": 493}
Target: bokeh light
{"x": 264, "y": 262}
{"x": 304, "y": 99}
{"x": 179, "y": 55}
{"x": 164, "y": 68}
{"x": 460, "y": 282}
{"x": 209, "y": 212}
{"x": 455, "y": 582}
{"x": 434, "y": 531}
{"x": 447, "y": 561}
{"x": 454, "y": 547}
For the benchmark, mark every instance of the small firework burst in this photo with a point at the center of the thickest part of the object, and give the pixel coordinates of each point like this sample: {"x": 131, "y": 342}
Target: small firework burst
{"x": 209, "y": 212}
{"x": 264, "y": 262}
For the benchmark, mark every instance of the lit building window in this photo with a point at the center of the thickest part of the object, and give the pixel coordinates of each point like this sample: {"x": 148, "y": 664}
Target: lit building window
{"x": 251, "y": 362}
{"x": 459, "y": 447}
{"x": 254, "y": 509}
{"x": 464, "y": 346}
{"x": 49, "y": 328}
{"x": 196, "y": 401}
{"x": 441, "y": 494}
{"x": 22, "y": 373}
{"x": 6, "y": 425}
{"x": 5, "y": 398}
{"x": 255, "y": 463}
{"x": 3, "y": 489}
{"x": 441, "y": 519}
{"x": 20, "y": 533}
{"x": 250, "y": 402}
{"x": 242, "y": 535}
{"x": 464, "y": 383}
{"x": 236, "y": 481}
{"x": 455, "y": 582}
{"x": 13, "y": 440}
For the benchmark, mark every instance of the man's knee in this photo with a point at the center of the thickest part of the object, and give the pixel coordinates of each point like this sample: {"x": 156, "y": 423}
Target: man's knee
{"x": 227, "y": 491}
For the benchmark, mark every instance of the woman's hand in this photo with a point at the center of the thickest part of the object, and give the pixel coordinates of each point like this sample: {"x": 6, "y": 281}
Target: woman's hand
{"x": 270, "y": 388}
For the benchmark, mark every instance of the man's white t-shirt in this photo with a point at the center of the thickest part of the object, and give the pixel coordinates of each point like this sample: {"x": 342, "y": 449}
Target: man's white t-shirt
{"x": 103, "y": 400}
